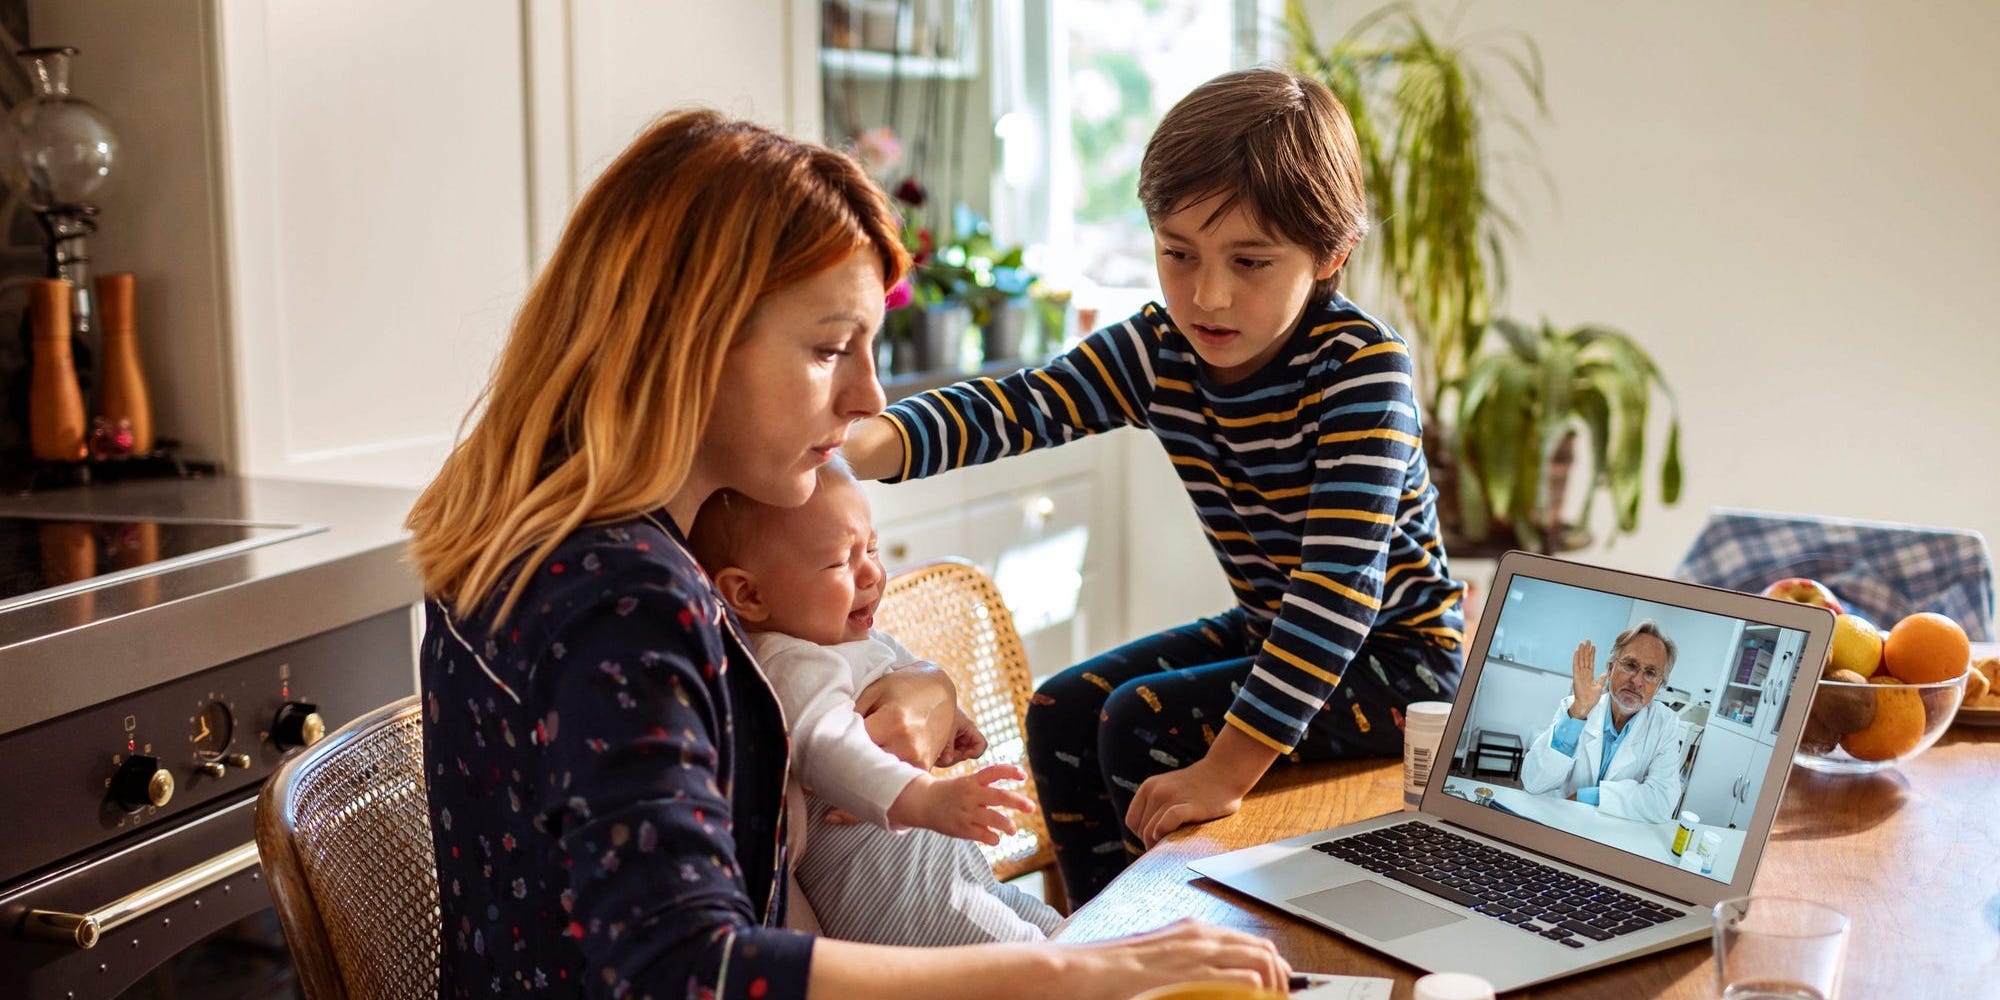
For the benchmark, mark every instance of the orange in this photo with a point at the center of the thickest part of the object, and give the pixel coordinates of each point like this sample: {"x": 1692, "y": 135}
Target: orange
{"x": 1898, "y": 725}
{"x": 1926, "y": 647}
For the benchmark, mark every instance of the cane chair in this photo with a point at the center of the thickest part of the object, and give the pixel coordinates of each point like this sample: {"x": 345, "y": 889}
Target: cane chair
{"x": 345, "y": 839}
{"x": 949, "y": 612}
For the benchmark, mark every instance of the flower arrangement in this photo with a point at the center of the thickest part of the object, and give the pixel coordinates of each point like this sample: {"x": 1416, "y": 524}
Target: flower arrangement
{"x": 958, "y": 284}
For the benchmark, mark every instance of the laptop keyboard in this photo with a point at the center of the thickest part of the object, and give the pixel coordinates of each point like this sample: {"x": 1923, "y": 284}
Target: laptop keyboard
{"x": 1555, "y": 904}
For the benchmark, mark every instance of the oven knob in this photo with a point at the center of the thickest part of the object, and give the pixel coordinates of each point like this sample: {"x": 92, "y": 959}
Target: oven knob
{"x": 236, "y": 760}
{"x": 298, "y": 725}
{"x": 141, "y": 782}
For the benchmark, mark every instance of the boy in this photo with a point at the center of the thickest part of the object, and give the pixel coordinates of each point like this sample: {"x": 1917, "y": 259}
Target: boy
{"x": 805, "y": 582}
{"x": 1290, "y": 418}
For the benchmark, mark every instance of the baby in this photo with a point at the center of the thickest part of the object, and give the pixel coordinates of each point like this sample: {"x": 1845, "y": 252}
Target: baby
{"x": 806, "y": 581}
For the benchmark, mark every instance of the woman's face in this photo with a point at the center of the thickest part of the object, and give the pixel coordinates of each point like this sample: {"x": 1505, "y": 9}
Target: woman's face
{"x": 802, "y": 369}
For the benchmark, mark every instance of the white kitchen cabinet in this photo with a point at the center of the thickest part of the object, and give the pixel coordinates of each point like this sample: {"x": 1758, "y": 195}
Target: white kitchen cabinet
{"x": 333, "y": 209}
{"x": 1047, "y": 526}
{"x": 1722, "y": 789}
{"x": 910, "y": 543}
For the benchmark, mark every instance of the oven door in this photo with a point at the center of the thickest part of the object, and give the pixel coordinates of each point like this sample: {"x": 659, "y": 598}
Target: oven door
{"x": 182, "y": 913}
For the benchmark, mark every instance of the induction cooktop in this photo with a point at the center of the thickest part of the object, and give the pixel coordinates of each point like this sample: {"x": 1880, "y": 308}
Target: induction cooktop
{"x": 42, "y": 558}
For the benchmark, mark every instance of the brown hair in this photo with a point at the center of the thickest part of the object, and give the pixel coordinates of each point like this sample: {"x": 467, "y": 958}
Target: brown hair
{"x": 604, "y": 388}
{"x": 1270, "y": 137}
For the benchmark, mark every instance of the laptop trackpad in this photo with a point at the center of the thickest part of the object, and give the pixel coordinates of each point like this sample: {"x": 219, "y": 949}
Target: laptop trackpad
{"x": 1374, "y": 909}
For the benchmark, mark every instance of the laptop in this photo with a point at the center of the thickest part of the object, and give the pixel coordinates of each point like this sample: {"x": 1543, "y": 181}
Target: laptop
{"x": 1502, "y": 874}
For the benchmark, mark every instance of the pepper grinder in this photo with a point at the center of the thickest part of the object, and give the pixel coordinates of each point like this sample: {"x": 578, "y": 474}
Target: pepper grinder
{"x": 55, "y": 404}
{"x": 123, "y": 379}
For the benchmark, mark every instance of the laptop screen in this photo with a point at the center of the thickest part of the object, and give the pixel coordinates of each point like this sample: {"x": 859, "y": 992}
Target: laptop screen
{"x": 1645, "y": 727}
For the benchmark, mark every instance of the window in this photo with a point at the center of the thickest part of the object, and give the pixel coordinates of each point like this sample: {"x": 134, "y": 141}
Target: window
{"x": 1087, "y": 81}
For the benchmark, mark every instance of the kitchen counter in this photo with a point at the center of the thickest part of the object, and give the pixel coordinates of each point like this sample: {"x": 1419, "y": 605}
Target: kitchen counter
{"x": 81, "y": 649}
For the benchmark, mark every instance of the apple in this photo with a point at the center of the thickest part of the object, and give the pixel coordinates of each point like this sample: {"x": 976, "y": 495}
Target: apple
{"x": 1804, "y": 591}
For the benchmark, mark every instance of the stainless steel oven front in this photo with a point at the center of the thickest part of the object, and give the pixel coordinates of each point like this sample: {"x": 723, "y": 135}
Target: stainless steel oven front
{"x": 128, "y": 864}
{"x": 163, "y": 645}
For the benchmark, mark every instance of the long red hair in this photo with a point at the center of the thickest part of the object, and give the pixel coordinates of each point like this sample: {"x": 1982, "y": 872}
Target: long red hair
{"x": 608, "y": 377}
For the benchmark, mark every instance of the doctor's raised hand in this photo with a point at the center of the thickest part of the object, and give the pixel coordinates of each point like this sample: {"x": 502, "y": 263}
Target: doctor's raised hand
{"x": 1585, "y": 682}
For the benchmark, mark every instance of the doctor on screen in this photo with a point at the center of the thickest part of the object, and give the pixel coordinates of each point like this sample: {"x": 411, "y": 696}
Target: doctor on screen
{"x": 1609, "y": 745}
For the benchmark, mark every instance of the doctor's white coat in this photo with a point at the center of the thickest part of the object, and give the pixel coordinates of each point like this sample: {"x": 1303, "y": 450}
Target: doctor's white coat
{"x": 1644, "y": 781}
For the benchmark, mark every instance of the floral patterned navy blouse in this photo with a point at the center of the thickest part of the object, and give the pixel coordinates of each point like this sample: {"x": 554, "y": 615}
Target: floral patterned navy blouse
{"x": 606, "y": 778}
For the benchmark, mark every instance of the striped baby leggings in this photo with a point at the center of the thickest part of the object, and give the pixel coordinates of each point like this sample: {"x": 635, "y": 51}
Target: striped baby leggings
{"x": 1099, "y": 729}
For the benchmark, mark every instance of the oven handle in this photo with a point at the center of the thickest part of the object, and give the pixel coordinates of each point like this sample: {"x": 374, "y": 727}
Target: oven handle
{"x": 83, "y": 929}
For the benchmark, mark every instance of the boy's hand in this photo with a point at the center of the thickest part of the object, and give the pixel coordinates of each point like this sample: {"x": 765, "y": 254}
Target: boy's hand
{"x": 1167, "y": 802}
{"x": 873, "y": 450}
{"x": 967, "y": 806}
{"x": 1210, "y": 788}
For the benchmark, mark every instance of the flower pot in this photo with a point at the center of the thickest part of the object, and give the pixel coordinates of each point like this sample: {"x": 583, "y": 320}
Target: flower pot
{"x": 938, "y": 332}
{"x": 1005, "y": 328}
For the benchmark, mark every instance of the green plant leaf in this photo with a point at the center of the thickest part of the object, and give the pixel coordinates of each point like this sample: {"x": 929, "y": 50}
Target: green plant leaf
{"x": 1670, "y": 466}
{"x": 1558, "y": 371}
{"x": 1497, "y": 452}
{"x": 1519, "y": 340}
{"x": 1499, "y": 397}
{"x": 1475, "y": 518}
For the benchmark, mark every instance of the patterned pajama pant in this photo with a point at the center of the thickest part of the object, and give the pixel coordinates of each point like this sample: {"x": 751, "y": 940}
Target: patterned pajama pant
{"x": 1099, "y": 729}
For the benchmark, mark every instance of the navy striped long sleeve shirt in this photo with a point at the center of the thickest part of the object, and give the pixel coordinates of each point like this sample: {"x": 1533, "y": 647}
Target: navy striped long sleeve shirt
{"x": 1308, "y": 476}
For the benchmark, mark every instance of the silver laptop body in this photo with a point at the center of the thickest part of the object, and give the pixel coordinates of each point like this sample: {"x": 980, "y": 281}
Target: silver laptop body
{"x": 1739, "y": 658}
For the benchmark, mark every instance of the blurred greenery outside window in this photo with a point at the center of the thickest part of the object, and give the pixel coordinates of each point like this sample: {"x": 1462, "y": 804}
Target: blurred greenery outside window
{"x": 1107, "y": 71}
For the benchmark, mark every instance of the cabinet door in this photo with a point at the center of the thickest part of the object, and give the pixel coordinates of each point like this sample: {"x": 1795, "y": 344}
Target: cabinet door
{"x": 1717, "y": 778}
{"x": 1746, "y": 790}
{"x": 916, "y": 541}
{"x": 378, "y": 226}
{"x": 1037, "y": 545}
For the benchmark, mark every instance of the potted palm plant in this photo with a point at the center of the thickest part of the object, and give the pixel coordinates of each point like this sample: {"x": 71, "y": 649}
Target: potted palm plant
{"x": 1501, "y": 413}
{"x": 1520, "y": 409}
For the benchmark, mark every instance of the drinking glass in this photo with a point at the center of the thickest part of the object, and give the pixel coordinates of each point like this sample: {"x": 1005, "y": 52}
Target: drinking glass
{"x": 1777, "y": 948}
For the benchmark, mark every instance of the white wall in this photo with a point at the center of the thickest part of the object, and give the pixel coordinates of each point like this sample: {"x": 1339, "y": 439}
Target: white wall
{"x": 633, "y": 59}
{"x": 1792, "y": 204}
{"x": 334, "y": 209}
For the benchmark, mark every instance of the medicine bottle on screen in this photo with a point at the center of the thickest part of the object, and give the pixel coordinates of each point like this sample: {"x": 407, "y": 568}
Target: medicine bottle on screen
{"x": 1711, "y": 845}
{"x": 1684, "y": 833}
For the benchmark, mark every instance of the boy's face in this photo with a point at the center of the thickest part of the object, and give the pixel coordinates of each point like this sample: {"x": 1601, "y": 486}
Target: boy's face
{"x": 816, "y": 571}
{"x": 1234, "y": 289}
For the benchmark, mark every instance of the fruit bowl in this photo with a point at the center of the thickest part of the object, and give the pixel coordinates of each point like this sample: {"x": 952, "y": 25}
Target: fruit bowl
{"x": 1860, "y": 728}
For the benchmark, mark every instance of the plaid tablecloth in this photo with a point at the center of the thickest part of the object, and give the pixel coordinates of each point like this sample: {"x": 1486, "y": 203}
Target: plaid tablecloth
{"x": 1877, "y": 569}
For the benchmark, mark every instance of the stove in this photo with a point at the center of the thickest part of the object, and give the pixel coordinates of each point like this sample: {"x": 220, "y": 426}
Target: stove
{"x": 42, "y": 558}
{"x": 163, "y": 646}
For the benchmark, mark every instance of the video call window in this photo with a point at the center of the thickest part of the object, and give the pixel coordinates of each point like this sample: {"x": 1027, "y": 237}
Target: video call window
{"x": 1679, "y": 729}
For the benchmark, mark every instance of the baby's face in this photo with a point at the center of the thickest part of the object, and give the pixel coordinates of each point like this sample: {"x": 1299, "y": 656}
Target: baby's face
{"x": 818, "y": 570}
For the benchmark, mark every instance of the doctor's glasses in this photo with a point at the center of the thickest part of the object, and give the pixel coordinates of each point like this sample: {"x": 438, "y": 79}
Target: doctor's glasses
{"x": 1631, "y": 665}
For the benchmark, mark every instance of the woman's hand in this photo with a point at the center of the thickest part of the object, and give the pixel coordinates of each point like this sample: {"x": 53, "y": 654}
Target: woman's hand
{"x": 913, "y": 713}
{"x": 1585, "y": 683}
{"x": 967, "y": 742}
{"x": 1181, "y": 952}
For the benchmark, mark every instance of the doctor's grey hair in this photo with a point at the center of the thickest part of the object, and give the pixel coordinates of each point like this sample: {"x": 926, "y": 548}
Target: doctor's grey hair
{"x": 1646, "y": 627}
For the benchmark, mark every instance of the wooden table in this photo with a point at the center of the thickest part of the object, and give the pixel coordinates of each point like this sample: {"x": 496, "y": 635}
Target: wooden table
{"x": 1911, "y": 853}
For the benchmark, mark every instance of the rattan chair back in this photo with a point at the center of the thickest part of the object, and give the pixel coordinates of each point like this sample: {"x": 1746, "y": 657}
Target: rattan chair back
{"x": 344, "y": 834}
{"x": 949, "y": 612}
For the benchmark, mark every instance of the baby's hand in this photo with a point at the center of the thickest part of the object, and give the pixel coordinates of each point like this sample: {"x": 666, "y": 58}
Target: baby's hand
{"x": 967, "y": 806}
